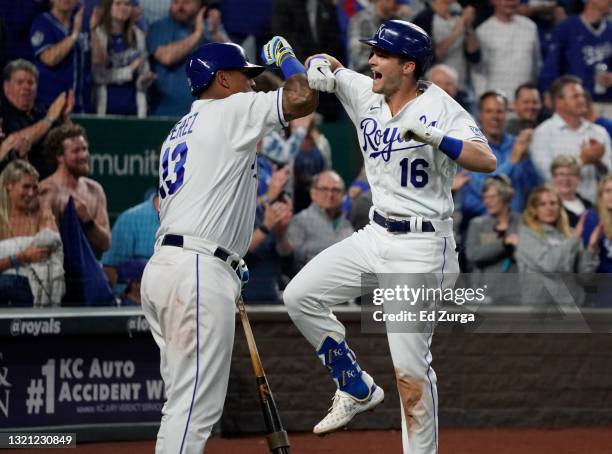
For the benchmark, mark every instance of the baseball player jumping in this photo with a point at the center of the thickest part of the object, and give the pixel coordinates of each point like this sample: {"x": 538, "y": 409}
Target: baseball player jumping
{"x": 412, "y": 135}
{"x": 208, "y": 189}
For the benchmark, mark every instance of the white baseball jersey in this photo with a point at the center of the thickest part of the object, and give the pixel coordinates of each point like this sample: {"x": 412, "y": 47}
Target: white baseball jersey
{"x": 208, "y": 173}
{"x": 407, "y": 178}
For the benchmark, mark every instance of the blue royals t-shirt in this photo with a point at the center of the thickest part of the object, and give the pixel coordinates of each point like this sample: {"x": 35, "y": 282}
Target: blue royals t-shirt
{"x": 121, "y": 98}
{"x": 72, "y": 73}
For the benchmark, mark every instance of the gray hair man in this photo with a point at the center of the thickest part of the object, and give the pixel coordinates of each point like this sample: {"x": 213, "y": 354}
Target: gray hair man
{"x": 323, "y": 223}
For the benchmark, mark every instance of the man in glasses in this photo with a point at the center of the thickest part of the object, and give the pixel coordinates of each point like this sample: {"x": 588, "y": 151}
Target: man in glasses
{"x": 322, "y": 223}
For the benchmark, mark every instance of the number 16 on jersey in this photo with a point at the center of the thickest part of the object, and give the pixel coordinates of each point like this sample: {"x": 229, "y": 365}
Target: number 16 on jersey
{"x": 415, "y": 171}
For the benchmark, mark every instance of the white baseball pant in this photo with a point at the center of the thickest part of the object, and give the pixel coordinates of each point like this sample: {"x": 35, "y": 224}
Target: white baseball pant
{"x": 334, "y": 276}
{"x": 188, "y": 298}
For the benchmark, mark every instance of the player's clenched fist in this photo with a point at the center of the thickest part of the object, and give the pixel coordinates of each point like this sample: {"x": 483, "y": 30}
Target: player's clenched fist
{"x": 320, "y": 76}
{"x": 414, "y": 129}
{"x": 276, "y": 50}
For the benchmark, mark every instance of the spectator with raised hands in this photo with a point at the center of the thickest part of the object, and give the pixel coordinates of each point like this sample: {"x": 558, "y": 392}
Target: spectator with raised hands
{"x": 512, "y": 155}
{"x": 269, "y": 250}
{"x": 313, "y": 157}
{"x": 119, "y": 61}
{"x": 492, "y": 237}
{"x": 491, "y": 241}
{"x": 547, "y": 244}
{"x": 31, "y": 258}
{"x": 60, "y": 42}
{"x": 598, "y": 224}
{"x": 25, "y": 117}
{"x": 568, "y": 133}
{"x": 170, "y": 41}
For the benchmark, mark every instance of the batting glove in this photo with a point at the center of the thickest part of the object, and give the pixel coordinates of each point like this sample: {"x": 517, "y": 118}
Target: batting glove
{"x": 275, "y": 51}
{"x": 414, "y": 129}
{"x": 243, "y": 273}
{"x": 320, "y": 76}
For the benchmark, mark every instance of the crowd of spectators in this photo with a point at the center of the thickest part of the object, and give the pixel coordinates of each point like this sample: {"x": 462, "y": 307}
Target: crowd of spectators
{"x": 537, "y": 75}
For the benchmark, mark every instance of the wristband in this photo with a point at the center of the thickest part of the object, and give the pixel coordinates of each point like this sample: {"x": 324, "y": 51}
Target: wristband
{"x": 264, "y": 229}
{"x": 291, "y": 66}
{"x": 451, "y": 147}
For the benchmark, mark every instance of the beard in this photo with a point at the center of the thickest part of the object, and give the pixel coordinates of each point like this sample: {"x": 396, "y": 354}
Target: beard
{"x": 79, "y": 169}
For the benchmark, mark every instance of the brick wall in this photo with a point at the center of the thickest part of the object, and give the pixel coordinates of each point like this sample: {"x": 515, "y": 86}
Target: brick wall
{"x": 483, "y": 379}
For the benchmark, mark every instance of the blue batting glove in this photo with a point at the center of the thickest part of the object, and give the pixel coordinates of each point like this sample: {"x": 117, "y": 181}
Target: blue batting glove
{"x": 243, "y": 272}
{"x": 275, "y": 51}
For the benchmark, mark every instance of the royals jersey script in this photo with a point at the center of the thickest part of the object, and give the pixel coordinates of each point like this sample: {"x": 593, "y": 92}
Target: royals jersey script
{"x": 408, "y": 178}
{"x": 208, "y": 173}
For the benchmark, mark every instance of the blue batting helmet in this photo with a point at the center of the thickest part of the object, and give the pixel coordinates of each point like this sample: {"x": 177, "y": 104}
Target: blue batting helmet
{"x": 205, "y": 61}
{"x": 405, "y": 39}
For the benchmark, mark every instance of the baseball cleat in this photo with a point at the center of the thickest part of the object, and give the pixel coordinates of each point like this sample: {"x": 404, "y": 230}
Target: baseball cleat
{"x": 345, "y": 407}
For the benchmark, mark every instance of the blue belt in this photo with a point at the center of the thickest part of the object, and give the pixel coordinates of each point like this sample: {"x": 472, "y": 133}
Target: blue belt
{"x": 220, "y": 253}
{"x": 399, "y": 226}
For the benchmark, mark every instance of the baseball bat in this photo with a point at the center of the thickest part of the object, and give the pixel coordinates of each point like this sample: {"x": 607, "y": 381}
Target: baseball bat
{"x": 278, "y": 441}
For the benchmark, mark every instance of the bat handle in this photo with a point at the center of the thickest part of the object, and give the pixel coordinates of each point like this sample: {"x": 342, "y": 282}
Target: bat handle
{"x": 278, "y": 442}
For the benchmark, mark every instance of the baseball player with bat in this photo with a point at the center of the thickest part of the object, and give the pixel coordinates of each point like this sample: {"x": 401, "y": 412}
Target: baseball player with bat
{"x": 413, "y": 136}
{"x": 208, "y": 189}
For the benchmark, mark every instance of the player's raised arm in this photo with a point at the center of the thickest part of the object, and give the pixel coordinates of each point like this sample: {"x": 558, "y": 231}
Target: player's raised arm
{"x": 470, "y": 154}
{"x": 298, "y": 98}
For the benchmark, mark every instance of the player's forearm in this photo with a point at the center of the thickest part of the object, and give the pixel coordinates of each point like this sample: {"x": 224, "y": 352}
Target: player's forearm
{"x": 177, "y": 51}
{"x": 56, "y": 53}
{"x": 299, "y": 99}
{"x": 477, "y": 157}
